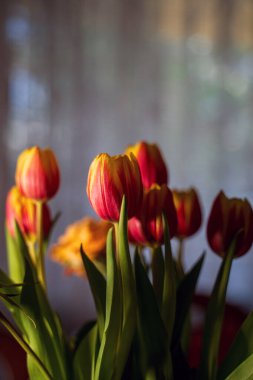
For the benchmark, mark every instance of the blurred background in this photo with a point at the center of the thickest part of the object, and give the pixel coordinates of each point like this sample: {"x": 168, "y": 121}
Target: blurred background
{"x": 90, "y": 76}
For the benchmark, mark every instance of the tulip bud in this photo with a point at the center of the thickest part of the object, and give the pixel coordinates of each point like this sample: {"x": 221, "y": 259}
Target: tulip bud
{"x": 135, "y": 232}
{"x": 147, "y": 228}
{"x": 23, "y": 211}
{"x": 152, "y": 166}
{"x": 91, "y": 234}
{"x": 230, "y": 218}
{"x": 188, "y": 212}
{"x": 110, "y": 178}
{"x": 37, "y": 174}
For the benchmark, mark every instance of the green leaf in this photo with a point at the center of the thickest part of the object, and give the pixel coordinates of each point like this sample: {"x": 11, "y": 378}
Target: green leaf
{"x": 128, "y": 292}
{"x": 244, "y": 371}
{"x": 46, "y": 334}
{"x": 106, "y": 361}
{"x": 184, "y": 297}
{"x": 42, "y": 370}
{"x": 16, "y": 260}
{"x": 241, "y": 348}
{"x": 153, "y": 335}
{"x": 214, "y": 317}
{"x": 84, "y": 358}
{"x": 98, "y": 287}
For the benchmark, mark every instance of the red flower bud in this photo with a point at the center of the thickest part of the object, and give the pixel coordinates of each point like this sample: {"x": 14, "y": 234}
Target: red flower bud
{"x": 110, "y": 178}
{"x": 37, "y": 173}
{"x": 23, "y": 211}
{"x": 148, "y": 227}
{"x": 135, "y": 232}
{"x": 230, "y": 217}
{"x": 152, "y": 166}
{"x": 189, "y": 215}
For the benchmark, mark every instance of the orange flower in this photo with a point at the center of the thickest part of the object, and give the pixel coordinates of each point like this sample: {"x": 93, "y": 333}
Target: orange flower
{"x": 229, "y": 217}
{"x": 23, "y": 211}
{"x": 37, "y": 173}
{"x": 188, "y": 212}
{"x": 152, "y": 166}
{"x": 91, "y": 234}
{"x": 148, "y": 226}
{"x": 109, "y": 179}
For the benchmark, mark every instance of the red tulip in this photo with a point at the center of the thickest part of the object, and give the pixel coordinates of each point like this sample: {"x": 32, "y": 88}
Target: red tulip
{"x": 23, "y": 211}
{"x": 188, "y": 212}
{"x": 37, "y": 174}
{"x": 152, "y": 166}
{"x": 147, "y": 228}
{"x": 110, "y": 178}
{"x": 230, "y": 217}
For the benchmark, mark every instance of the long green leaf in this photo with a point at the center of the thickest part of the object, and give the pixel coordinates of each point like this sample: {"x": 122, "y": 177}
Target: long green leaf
{"x": 46, "y": 334}
{"x": 16, "y": 260}
{"x": 85, "y": 356}
{"x": 39, "y": 364}
{"x": 185, "y": 294}
{"x": 106, "y": 361}
{"x": 128, "y": 292}
{"x": 98, "y": 287}
{"x": 244, "y": 371}
{"x": 214, "y": 316}
{"x": 152, "y": 332}
{"x": 241, "y": 348}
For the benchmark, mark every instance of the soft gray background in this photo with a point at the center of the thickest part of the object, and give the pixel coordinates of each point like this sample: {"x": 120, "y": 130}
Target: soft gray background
{"x": 90, "y": 76}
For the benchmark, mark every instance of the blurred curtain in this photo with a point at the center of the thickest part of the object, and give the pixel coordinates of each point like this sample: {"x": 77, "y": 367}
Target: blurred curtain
{"x": 90, "y": 76}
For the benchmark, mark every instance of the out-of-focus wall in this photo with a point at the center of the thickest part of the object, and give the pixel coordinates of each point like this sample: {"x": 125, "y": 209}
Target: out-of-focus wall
{"x": 92, "y": 76}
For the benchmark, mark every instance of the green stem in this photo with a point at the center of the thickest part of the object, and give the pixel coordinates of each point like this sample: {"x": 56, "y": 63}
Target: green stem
{"x": 180, "y": 257}
{"x": 26, "y": 348}
{"x": 40, "y": 253}
{"x": 157, "y": 267}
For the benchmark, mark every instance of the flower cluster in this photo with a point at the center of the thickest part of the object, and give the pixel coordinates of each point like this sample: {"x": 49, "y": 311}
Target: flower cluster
{"x": 143, "y": 306}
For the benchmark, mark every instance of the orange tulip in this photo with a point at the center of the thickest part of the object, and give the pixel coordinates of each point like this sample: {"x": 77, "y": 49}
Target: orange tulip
{"x": 110, "y": 178}
{"x": 189, "y": 215}
{"x": 147, "y": 228}
{"x": 230, "y": 217}
{"x": 23, "y": 211}
{"x": 152, "y": 166}
{"x": 37, "y": 174}
{"x": 91, "y": 234}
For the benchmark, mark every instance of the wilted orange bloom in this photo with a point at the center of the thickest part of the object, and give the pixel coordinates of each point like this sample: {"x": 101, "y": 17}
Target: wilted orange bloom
{"x": 148, "y": 226}
{"x": 230, "y": 217}
{"x": 110, "y": 178}
{"x": 152, "y": 165}
{"x": 37, "y": 173}
{"x": 23, "y": 211}
{"x": 91, "y": 234}
{"x": 189, "y": 215}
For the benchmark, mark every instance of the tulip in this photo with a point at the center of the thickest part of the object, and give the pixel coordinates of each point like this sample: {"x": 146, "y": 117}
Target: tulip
{"x": 152, "y": 166}
{"x": 37, "y": 174}
{"x": 91, "y": 234}
{"x": 188, "y": 212}
{"x": 135, "y": 232}
{"x": 22, "y": 210}
{"x": 147, "y": 227}
{"x": 230, "y": 218}
{"x": 158, "y": 200}
{"x": 109, "y": 179}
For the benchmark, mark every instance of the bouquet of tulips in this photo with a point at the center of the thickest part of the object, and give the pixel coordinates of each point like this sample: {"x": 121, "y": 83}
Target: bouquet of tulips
{"x": 142, "y": 294}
